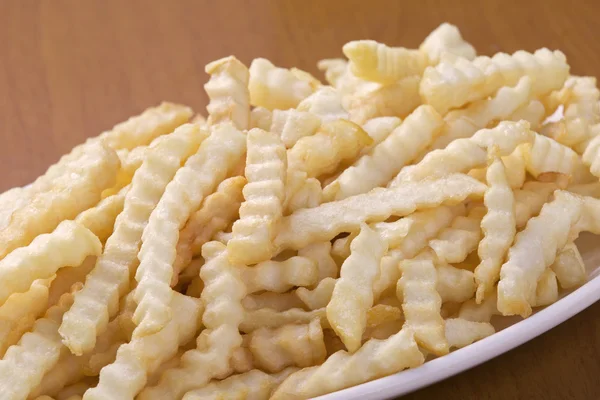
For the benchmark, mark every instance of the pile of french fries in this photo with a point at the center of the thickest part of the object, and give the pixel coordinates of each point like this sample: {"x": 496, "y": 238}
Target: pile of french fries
{"x": 304, "y": 238}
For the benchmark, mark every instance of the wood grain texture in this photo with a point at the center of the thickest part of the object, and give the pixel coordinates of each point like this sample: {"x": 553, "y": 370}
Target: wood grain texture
{"x": 70, "y": 69}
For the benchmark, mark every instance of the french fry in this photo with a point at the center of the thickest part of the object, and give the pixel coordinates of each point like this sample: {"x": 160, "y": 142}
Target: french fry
{"x": 531, "y": 198}
{"x": 318, "y": 297}
{"x": 386, "y": 159}
{"x": 270, "y": 318}
{"x": 66, "y": 277}
{"x": 394, "y": 233}
{"x": 569, "y": 267}
{"x": 454, "y": 243}
{"x": 275, "y": 301}
{"x": 340, "y": 249}
{"x": 445, "y": 39}
{"x": 66, "y": 371}
{"x": 452, "y": 84}
{"x": 482, "y": 312}
{"x": 462, "y": 332}
{"x": 272, "y": 87}
{"x": 68, "y": 245}
{"x": 515, "y": 167}
{"x": 280, "y": 276}
{"x": 261, "y": 118}
{"x": 11, "y": 201}
{"x": 292, "y": 125}
{"x": 498, "y": 226}
{"x": 546, "y": 291}
{"x": 454, "y": 284}
{"x": 109, "y": 280}
{"x": 378, "y": 129}
{"x": 320, "y": 253}
{"x": 264, "y": 193}
{"x": 325, "y": 103}
{"x": 353, "y": 292}
{"x": 526, "y": 263}
{"x": 228, "y": 92}
{"x": 327, "y": 220}
{"x": 301, "y": 192}
{"x": 376, "y": 358}
{"x": 532, "y": 112}
{"x": 101, "y": 218}
{"x": 381, "y": 314}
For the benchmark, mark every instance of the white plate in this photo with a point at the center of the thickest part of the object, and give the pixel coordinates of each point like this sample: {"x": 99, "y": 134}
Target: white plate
{"x": 513, "y": 335}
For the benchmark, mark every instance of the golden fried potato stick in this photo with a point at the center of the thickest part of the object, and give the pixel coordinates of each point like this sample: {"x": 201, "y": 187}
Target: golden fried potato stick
{"x": 66, "y": 277}
{"x": 386, "y": 159}
{"x": 334, "y": 143}
{"x": 463, "y": 155}
{"x": 454, "y": 83}
{"x": 454, "y": 284}
{"x": 270, "y": 318}
{"x": 375, "y": 359}
{"x": 586, "y": 189}
{"x": 127, "y": 376}
{"x": 498, "y": 226}
{"x": 482, "y": 312}
{"x": 264, "y": 194}
{"x": 546, "y": 291}
{"x": 11, "y": 201}
{"x": 191, "y": 184}
{"x": 328, "y": 220}
{"x": 254, "y": 384}
{"x": 280, "y": 276}
{"x": 69, "y": 196}
{"x": 377, "y": 62}
{"x": 292, "y": 125}
{"x": 101, "y": 218}
{"x": 24, "y": 364}
{"x": 454, "y": 243}
{"x": 530, "y": 199}
{"x": 549, "y": 232}
{"x": 320, "y": 253}
{"x": 591, "y": 156}
{"x": 446, "y": 39}
{"x": 422, "y": 303}
{"x": 569, "y": 267}
{"x": 461, "y": 332}
{"x": 353, "y": 292}
{"x": 325, "y": 103}
{"x": 228, "y": 92}
{"x": 532, "y": 112}
{"x": 109, "y": 280}
{"x": 275, "y": 301}
{"x": 273, "y": 87}
{"x": 68, "y": 245}
{"x": 222, "y": 297}
{"x": 20, "y": 311}
{"x": 218, "y": 211}
{"x": 318, "y": 297}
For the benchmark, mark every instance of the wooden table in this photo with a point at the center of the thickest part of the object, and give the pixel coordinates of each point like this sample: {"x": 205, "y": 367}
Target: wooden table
{"x": 70, "y": 69}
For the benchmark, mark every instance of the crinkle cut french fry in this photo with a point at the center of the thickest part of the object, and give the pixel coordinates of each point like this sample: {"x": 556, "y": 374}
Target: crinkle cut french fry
{"x": 269, "y": 318}
{"x": 320, "y": 253}
{"x": 127, "y": 376}
{"x": 530, "y": 199}
{"x": 422, "y": 303}
{"x": 328, "y": 220}
{"x": 108, "y": 281}
{"x": 280, "y": 276}
{"x": 515, "y": 167}
{"x": 275, "y": 301}
{"x": 12, "y": 200}
{"x": 254, "y": 384}
{"x": 546, "y": 291}
{"x": 353, "y": 292}
{"x": 569, "y": 267}
{"x": 377, "y": 62}
{"x": 292, "y": 125}
{"x": 66, "y": 371}
{"x": 272, "y": 87}
{"x": 228, "y": 92}
{"x": 261, "y": 118}
{"x": 386, "y": 159}
{"x": 20, "y": 311}
{"x": 375, "y": 359}
{"x": 325, "y": 103}
{"x": 394, "y": 233}
{"x": 550, "y": 232}
{"x": 452, "y": 84}
{"x": 532, "y": 112}
{"x": 445, "y": 39}
{"x": 264, "y": 193}
{"x": 462, "y": 332}
{"x": 222, "y": 297}
{"x": 378, "y": 129}
{"x": 199, "y": 177}
{"x": 68, "y": 245}
{"x": 463, "y": 155}
{"x": 454, "y": 284}
{"x": 318, "y": 297}
{"x": 483, "y": 312}
{"x": 217, "y": 212}
{"x": 67, "y": 277}
{"x": 69, "y": 196}
{"x": 453, "y": 244}
{"x": 25, "y": 364}
{"x": 340, "y": 249}
{"x": 498, "y": 226}
{"x": 101, "y": 218}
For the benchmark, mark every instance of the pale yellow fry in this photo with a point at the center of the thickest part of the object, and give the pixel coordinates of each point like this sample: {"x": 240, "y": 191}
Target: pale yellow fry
{"x": 586, "y": 189}
{"x": 269, "y": 318}
{"x": 318, "y": 297}
{"x": 386, "y": 159}
{"x": 261, "y": 118}
{"x": 463, "y": 155}
{"x": 546, "y": 291}
{"x": 378, "y": 129}
{"x": 328, "y": 220}
{"x": 280, "y": 276}
{"x": 67, "y": 277}
{"x": 24, "y": 364}
{"x": 275, "y": 301}
{"x": 325, "y": 103}
{"x": 394, "y": 233}
{"x": 264, "y": 193}
{"x": 446, "y": 39}
{"x": 67, "y": 246}
{"x": 69, "y": 196}
{"x": 321, "y": 153}
{"x": 482, "y": 312}
{"x": 498, "y": 226}
{"x": 462, "y": 332}
{"x": 532, "y": 112}
{"x": 452, "y": 84}
{"x": 422, "y": 303}
{"x": 20, "y": 311}
{"x": 590, "y": 217}
{"x": 199, "y": 177}
{"x": 381, "y": 314}
{"x": 454, "y": 243}
{"x": 454, "y": 284}
{"x": 320, "y": 253}
{"x": 531, "y": 198}
{"x": 534, "y": 250}
{"x": 379, "y": 63}
{"x": 515, "y": 166}
{"x": 353, "y": 292}
{"x": 227, "y": 90}
{"x": 375, "y": 359}
{"x": 292, "y": 125}
{"x": 217, "y": 212}
{"x": 222, "y": 297}
{"x": 128, "y": 375}
{"x": 101, "y": 218}
{"x": 569, "y": 267}
{"x": 591, "y": 156}
{"x": 66, "y": 371}
{"x": 252, "y": 385}
{"x": 301, "y": 192}
{"x": 272, "y": 87}
{"x": 333, "y": 68}
{"x": 340, "y": 249}
{"x": 11, "y": 201}
{"x": 109, "y": 280}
